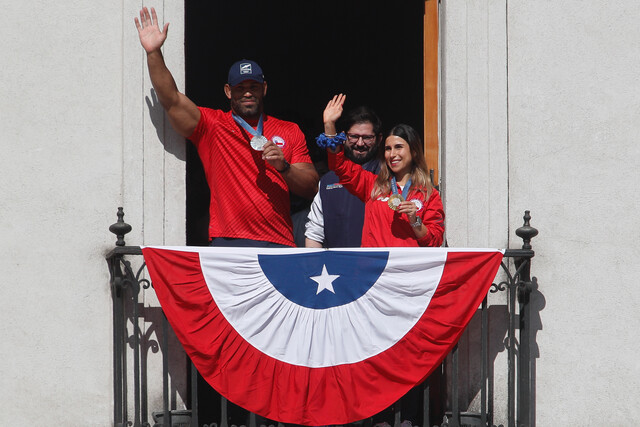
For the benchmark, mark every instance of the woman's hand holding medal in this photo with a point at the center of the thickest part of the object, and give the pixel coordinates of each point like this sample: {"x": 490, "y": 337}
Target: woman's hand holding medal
{"x": 408, "y": 208}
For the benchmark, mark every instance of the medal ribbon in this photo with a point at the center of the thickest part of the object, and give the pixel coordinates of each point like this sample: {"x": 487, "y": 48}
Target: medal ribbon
{"x": 239, "y": 120}
{"x": 405, "y": 190}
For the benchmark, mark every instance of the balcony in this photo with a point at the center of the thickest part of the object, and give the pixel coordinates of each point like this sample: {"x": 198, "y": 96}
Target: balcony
{"x": 488, "y": 378}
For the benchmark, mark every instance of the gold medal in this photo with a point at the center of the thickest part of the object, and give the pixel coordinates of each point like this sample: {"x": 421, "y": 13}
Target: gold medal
{"x": 394, "y": 201}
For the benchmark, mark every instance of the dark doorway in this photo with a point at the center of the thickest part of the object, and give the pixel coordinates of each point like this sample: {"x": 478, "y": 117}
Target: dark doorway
{"x": 309, "y": 51}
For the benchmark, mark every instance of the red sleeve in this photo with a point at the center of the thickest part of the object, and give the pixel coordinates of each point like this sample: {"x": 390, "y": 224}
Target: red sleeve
{"x": 300, "y": 153}
{"x": 358, "y": 181}
{"x": 208, "y": 118}
{"x": 433, "y": 218}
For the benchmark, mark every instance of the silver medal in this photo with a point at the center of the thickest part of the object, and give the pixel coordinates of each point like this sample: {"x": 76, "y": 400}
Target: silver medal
{"x": 258, "y": 141}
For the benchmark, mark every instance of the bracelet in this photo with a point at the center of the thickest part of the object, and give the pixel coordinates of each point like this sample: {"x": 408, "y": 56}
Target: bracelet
{"x": 330, "y": 136}
{"x": 330, "y": 141}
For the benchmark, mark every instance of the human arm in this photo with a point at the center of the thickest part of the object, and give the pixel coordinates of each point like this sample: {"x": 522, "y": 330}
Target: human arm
{"x": 331, "y": 114}
{"x": 182, "y": 112}
{"x": 301, "y": 177}
{"x": 308, "y": 243}
{"x": 430, "y": 230}
{"x": 411, "y": 211}
{"x": 314, "y": 228}
{"x": 352, "y": 176}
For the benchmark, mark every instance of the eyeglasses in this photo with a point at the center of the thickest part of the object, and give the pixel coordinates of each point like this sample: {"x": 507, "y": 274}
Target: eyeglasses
{"x": 367, "y": 139}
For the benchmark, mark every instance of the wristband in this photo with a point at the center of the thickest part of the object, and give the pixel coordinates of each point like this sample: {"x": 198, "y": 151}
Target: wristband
{"x": 325, "y": 141}
{"x": 287, "y": 166}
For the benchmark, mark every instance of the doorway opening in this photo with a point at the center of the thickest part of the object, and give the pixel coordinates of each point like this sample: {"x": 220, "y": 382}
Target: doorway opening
{"x": 309, "y": 51}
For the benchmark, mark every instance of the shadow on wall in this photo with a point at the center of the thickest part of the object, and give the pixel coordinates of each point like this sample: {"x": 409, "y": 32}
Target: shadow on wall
{"x": 171, "y": 141}
{"x": 470, "y": 355}
{"x": 470, "y": 359}
{"x": 537, "y": 303}
{"x": 157, "y": 337}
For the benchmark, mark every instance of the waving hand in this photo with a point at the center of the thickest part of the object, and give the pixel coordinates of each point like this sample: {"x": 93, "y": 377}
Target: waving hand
{"x": 333, "y": 110}
{"x": 151, "y": 37}
{"x": 332, "y": 113}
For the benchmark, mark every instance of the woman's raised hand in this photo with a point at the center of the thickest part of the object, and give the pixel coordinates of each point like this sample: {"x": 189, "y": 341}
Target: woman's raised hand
{"x": 333, "y": 111}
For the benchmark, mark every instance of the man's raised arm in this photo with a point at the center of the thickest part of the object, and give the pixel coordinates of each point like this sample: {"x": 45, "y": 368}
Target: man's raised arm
{"x": 183, "y": 113}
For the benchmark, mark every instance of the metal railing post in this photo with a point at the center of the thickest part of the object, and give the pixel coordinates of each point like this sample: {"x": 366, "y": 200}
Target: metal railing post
{"x": 484, "y": 332}
{"x": 525, "y": 382}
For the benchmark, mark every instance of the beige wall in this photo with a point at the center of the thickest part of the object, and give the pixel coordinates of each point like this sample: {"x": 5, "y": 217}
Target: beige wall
{"x": 540, "y": 106}
{"x": 539, "y": 112}
{"x": 77, "y": 142}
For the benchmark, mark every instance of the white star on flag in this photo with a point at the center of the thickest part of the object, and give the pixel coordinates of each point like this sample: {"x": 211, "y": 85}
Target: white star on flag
{"x": 325, "y": 280}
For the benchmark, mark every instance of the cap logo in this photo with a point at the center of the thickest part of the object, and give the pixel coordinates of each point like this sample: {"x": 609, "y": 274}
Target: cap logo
{"x": 245, "y": 68}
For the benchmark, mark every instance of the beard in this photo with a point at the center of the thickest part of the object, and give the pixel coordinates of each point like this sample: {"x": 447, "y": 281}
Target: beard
{"x": 359, "y": 157}
{"x": 246, "y": 111}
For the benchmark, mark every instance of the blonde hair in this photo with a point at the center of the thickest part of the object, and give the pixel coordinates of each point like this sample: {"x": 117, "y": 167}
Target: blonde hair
{"x": 420, "y": 179}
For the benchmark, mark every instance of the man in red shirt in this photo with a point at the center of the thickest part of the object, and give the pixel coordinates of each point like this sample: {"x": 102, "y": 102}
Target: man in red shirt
{"x": 251, "y": 160}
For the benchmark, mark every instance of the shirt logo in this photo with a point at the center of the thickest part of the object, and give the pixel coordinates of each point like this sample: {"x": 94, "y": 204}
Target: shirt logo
{"x": 417, "y": 202}
{"x": 333, "y": 186}
{"x": 245, "y": 68}
{"x": 279, "y": 141}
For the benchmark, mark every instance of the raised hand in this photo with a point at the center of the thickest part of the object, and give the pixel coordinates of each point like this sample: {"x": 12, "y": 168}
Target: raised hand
{"x": 333, "y": 110}
{"x": 151, "y": 37}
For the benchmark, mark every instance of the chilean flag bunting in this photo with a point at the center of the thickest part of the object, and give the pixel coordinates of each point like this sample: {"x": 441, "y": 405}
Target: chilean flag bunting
{"x": 317, "y": 336}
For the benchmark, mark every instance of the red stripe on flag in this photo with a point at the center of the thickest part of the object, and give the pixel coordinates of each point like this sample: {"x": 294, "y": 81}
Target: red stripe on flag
{"x": 315, "y": 396}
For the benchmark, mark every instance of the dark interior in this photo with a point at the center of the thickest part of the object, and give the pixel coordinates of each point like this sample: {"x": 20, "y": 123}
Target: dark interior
{"x": 309, "y": 51}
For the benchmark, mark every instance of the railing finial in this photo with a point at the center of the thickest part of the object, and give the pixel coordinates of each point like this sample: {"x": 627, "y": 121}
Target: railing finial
{"x": 120, "y": 228}
{"x": 526, "y": 232}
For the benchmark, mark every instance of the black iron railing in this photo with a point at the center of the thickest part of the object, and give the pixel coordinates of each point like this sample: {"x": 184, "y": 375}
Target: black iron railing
{"x": 519, "y": 344}
{"x": 439, "y": 397}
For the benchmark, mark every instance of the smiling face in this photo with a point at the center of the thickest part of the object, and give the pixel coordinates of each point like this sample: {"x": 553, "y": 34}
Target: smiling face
{"x": 246, "y": 98}
{"x": 360, "y": 144}
{"x": 397, "y": 155}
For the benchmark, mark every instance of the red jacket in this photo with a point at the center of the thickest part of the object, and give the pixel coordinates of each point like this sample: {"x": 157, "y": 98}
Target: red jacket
{"x": 384, "y": 227}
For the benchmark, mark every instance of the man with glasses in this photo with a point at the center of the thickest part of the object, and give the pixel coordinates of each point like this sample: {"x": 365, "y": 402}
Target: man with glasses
{"x": 336, "y": 216}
